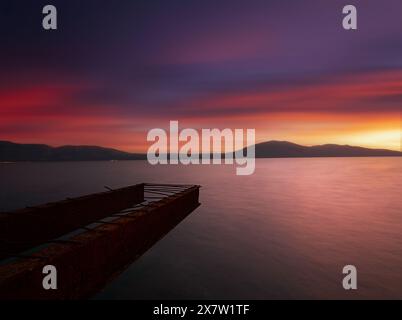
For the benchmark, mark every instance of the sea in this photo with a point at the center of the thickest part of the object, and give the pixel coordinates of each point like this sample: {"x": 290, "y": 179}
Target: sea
{"x": 285, "y": 232}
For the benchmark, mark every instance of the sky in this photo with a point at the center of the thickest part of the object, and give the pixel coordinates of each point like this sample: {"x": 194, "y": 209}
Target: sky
{"x": 116, "y": 69}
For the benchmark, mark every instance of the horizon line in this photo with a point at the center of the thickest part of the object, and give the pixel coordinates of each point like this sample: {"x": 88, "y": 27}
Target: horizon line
{"x": 144, "y": 153}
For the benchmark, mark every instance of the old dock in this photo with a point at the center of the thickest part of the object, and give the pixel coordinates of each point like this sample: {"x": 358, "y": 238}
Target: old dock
{"x": 89, "y": 239}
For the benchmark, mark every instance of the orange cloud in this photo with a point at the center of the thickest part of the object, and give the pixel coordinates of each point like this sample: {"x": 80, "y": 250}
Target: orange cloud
{"x": 356, "y": 109}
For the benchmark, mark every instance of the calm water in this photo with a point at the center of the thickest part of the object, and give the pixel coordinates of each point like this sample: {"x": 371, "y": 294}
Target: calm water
{"x": 285, "y": 232}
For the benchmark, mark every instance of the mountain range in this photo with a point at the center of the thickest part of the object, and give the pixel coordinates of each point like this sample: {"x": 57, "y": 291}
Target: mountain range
{"x": 284, "y": 149}
{"x": 13, "y": 152}
{"x": 10, "y": 151}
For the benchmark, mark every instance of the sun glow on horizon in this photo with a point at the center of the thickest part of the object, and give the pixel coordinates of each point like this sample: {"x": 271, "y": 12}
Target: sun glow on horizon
{"x": 386, "y": 139}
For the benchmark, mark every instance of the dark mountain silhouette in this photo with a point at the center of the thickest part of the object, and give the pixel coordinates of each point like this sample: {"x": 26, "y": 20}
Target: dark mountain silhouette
{"x": 12, "y": 152}
{"x": 284, "y": 149}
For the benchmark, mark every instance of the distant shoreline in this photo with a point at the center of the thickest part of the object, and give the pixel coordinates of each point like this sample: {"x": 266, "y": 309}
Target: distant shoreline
{"x": 128, "y": 160}
{"x": 11, "y": 152}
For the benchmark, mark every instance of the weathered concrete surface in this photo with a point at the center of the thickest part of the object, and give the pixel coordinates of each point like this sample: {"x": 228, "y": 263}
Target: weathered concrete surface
{"x": 26, "y": 228}
{"x": 97, "y": 256}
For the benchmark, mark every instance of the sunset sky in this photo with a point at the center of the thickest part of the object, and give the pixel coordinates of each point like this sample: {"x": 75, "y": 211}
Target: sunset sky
{"x": 116, "y": 69}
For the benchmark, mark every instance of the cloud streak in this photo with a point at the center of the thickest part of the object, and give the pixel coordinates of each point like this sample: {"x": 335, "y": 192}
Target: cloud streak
{"x": 113, "y": 72}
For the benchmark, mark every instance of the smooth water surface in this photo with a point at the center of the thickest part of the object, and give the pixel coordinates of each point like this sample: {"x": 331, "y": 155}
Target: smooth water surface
{"x": 284, "y": 232}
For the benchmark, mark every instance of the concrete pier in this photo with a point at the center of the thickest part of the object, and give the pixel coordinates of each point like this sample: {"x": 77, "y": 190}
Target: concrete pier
{"x": 90, "y": 256}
